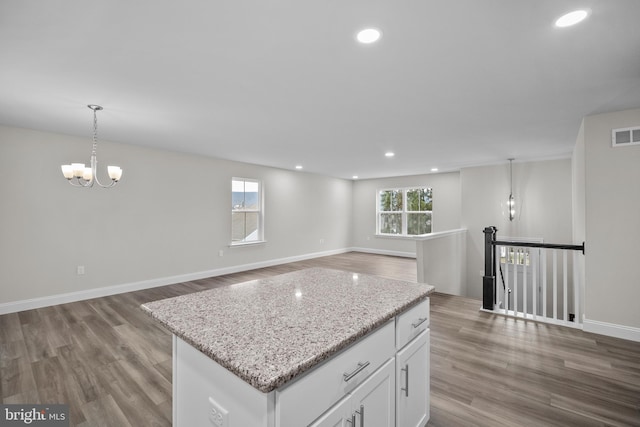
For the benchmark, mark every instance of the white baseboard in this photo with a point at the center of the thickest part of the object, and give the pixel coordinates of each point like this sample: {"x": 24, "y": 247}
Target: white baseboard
{"x": 29, "y": 304}
{"x": 612, "y": 330}
{"x": 385, "y": 252}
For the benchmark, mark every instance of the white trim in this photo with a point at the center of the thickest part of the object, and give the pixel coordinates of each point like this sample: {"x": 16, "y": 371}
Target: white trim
{"x": 28, "y": 304}
{"x": 612, "y": 330}
{"x": 538, "y": 319}
{"x": 241, "y": 243}
{"x": 439, "y": 234}
{"x": 398, "y": 236}
{"x": 384, "y": 252}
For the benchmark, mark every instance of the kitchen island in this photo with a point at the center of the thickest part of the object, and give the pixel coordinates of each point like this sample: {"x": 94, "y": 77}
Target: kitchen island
{"x": 312, "y": 347}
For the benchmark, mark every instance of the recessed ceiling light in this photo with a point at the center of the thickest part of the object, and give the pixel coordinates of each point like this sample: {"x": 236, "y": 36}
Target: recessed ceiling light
{"x": 434, "y": 169}
{"x": 571, "y": 18}
{"x": 368, "y": 35}
{"x": 355, "y": 177}
{"x": 298, "y": 167}
{"x": 389, "y": 154}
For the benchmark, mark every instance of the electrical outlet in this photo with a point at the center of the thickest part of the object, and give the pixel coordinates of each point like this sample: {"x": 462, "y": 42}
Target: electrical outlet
{"x": 80, "y": 270}
{"x": 221, "y": 252}
{"x": 218, "y": 416}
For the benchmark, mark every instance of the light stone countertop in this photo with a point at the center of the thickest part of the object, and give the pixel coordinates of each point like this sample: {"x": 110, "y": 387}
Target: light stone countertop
{"x": 269, "y": 331}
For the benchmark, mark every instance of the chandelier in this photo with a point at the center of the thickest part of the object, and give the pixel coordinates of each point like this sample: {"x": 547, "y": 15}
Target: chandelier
{"x": 80, "y": 176}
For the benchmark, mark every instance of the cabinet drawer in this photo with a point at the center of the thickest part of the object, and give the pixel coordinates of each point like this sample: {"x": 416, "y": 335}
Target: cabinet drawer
{"x": 301, "y": 402}
{"x": 410, "y": 323}
{"x": 412, "y": 383}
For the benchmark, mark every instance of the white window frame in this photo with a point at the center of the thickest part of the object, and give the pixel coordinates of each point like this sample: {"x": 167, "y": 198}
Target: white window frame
{"x": 259, "y": 210}
{"x": 405, "y": 213}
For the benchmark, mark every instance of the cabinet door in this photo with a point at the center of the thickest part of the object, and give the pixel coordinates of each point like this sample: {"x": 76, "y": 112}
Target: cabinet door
{"x": 338, "y": 416}
{"x": 412, "y": 385}
{"x": 374, "y": 401}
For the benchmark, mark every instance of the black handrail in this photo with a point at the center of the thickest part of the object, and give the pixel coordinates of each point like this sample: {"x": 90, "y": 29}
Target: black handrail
{"x": 490, "y": 244}
{"x": 539, "y": 245}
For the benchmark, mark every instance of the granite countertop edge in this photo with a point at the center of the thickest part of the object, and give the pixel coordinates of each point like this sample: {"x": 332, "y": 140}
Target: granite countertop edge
{"x": 276, "y": 382}
{"x": 267, "y": 380}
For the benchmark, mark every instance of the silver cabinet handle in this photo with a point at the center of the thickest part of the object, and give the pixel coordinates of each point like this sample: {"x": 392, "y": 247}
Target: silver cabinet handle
{"x": 419, "y": 322}
{"x": 361, "y": 413}
{"x": 406, "y": 380}
{"x": 352, "y": 421}
{"x": 348, "y": 375}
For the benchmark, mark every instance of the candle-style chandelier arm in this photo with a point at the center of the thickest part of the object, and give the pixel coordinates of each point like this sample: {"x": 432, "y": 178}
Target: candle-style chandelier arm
{"x": 80, "y": 176}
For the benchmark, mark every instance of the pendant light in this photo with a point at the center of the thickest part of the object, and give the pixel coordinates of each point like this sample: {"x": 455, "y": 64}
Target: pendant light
{"x": 511, "y": 203}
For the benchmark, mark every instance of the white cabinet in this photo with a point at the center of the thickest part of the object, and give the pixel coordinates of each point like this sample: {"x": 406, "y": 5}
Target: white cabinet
{"x": 340, "y": 415}
{"x": 304, "y": 400}
{"x": 412, "y": 366}
{"x": 363, "y": 385}
{"x": 411, "y": 323}
{"x": 374, "y": 401}
{"x": 371, "y": 404}
{"x": 412, "y": 383}
{"x": 407, "y": 388}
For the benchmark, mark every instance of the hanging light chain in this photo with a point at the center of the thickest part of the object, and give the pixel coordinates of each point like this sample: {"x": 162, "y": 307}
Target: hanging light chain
{"x": 95, "y": 108}
{"x": 95, "y": 130}
{"x": 510, "y": 175}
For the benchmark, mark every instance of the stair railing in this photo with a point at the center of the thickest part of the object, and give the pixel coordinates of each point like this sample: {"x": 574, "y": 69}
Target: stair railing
{"x": 537, "y": 281}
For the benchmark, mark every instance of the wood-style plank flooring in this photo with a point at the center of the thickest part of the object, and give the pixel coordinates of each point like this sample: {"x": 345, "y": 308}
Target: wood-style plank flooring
{"x": 112, "y": 364}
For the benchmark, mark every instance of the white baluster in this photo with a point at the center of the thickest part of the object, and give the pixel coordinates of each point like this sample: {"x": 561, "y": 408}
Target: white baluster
{"x": 576, "y": 290}
{"x": 506, "y": 282}
{"x": 544, "y": 282}
{"x": 555, "y": 284}
{"x": 516, "y": 253}
{"x": 564, "y": 286}
{"x": 534, "y": 285}
{"x": 525, "y": 309}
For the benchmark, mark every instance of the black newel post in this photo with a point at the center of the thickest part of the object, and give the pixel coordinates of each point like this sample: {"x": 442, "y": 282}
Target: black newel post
{"x": 489, "y": 278}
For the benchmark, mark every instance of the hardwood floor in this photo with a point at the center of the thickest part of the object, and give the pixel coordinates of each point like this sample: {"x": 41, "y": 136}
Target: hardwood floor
{"x": 496, "y": 371}
{"x": 112, "y": 364}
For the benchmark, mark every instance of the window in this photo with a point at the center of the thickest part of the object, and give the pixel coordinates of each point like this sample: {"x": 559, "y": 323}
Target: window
{"x": 404, "y": 211}
{"x": 246, "y": 211}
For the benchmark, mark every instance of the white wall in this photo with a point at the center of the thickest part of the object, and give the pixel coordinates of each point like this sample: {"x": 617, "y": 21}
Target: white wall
{"x": 542, "y": 191}
{"x": 579, "y": 206}
{"x": 169, "y": 216}
{"x": 446, "y": 210}
{"x": 612, "y": 225}
{"x": 442, "y": 261}
{"x": 473, "y": 199}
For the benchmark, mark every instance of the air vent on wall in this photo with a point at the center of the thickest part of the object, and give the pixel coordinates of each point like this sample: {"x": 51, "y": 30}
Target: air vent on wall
{"x": 625, "y": 136}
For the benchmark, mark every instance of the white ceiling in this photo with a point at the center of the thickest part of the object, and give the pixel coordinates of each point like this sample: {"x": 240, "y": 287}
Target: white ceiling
{"x": 452, "y": 83}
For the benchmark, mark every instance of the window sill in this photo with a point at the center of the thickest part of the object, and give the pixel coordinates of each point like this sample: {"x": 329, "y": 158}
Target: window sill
{"x": 253, "y": 242}
{"x": 401, "y": 236}
{"x": 438, "y": 234}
